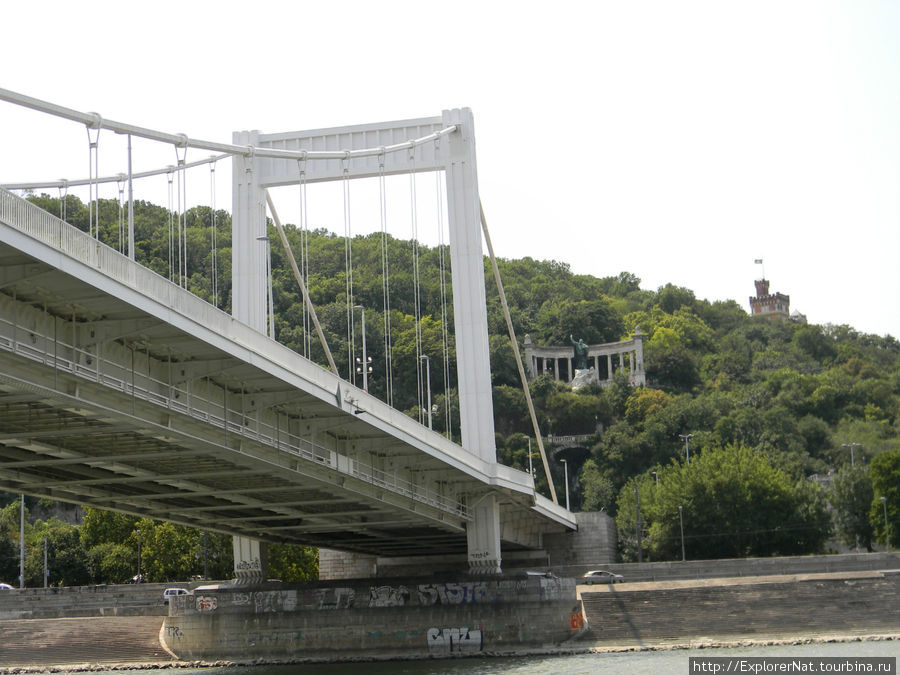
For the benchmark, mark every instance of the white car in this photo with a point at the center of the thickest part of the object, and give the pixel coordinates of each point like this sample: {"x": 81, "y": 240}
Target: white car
{"x": 171, "y": 592}
{"x": 5, "y": 587}
{"x": 601, "y": 577}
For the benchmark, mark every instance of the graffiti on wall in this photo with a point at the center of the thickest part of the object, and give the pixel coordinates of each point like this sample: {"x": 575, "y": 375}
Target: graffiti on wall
{"x": 274, "y": 601}
{"x": 327, "y": 598}
{"x": 470, "y": 592}
{"x": 453, "y": 640}
{"x": 388, "y": 596}
{"x": 207, "y": 603}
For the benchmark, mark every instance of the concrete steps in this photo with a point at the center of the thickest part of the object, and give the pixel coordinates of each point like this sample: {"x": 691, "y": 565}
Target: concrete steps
{"x": 106, "y": 640}
{"x": 808, "y": 607}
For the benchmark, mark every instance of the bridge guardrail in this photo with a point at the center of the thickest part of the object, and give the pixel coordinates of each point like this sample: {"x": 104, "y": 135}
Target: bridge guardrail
{"x": 95, "y": 367}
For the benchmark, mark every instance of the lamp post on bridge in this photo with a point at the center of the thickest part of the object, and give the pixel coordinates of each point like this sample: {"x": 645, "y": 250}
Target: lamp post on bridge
{"x": 363, "y": 366}
{"x": 428, "y": 378}
{"x": 566, "y": 469}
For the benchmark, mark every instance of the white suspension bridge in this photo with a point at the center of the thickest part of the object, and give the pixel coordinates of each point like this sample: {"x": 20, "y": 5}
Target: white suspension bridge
{"x": 121, "y": 389}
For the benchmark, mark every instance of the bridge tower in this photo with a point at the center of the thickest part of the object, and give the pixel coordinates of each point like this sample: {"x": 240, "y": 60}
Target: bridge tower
{"x": 455, "y": 155}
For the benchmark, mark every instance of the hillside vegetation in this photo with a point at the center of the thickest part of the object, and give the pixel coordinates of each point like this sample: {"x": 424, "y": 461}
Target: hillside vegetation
{"x": 767, "y": 404}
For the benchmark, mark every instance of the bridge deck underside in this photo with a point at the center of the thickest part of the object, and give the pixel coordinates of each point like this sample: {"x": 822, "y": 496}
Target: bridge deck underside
{"x": 105, "y": 404}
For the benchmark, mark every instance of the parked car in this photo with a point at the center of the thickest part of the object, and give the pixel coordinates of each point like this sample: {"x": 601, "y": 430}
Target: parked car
{"x": 5, "y": 587}
{"x": 601, "y": 577}
{"x": 171, "y": 592}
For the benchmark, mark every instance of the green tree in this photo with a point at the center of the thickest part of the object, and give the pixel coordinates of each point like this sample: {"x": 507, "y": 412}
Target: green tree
{"x": 66, "y": 558}
{"x": 288, "y": 562}
{"x": 885, "y": 474}
{"x": 111, "y": 563}
{"x": 851, "y": 496}
{"x": 734, "y": 504}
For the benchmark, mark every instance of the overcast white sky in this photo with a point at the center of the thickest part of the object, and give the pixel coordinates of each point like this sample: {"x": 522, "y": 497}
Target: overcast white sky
{"x": 678, "y": 141}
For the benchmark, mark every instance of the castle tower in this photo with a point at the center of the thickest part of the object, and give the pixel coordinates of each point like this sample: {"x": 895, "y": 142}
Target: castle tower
{"x": 773, "y": 306}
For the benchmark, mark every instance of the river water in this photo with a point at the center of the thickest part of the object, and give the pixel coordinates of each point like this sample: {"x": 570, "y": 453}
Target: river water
{"x": 673, "y": 662}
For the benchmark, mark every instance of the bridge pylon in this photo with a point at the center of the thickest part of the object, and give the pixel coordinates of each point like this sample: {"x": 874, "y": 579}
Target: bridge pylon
{"x": 455, "y": 155}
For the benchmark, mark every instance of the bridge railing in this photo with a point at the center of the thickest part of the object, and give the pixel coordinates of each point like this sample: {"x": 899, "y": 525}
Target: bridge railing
{"x": 55, "y": 352}
{"x": 63, "y": 357}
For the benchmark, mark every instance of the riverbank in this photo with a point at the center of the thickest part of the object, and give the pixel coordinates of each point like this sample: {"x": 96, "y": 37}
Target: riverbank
{"x": 891, "y": 640}
{"x": 685, "y": 614}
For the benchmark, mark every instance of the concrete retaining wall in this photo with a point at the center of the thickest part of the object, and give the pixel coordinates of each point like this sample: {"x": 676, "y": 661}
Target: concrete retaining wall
{"x": 115, "y": 600}
{"x": 419, "y": 618}
{"x": 799, "y": 608}
{"x": 742, "y": 567}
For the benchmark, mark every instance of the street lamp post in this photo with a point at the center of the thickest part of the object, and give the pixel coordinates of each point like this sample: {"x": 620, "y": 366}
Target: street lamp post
{"x": 428, "y": 379}
{"x": 364, "y": 365}
{"x": 687, "y": 445}
{"x": 681, "y": 522}
{"x": 887, "y": 527}
{"x": 530, "y": 466}
{"x": 271, "y": 311}
{"x": 139, "y": 556}
{"x": 852, "y": 456}
{"x": 566, "y": 468}
{"x": 22, "y": 544}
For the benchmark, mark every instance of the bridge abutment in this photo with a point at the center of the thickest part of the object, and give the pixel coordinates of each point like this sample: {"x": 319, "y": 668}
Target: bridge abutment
{"x": 251, "y": 560}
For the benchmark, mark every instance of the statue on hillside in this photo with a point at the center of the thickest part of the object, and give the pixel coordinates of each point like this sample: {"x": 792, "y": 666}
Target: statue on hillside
{"x": 581, "y": 353}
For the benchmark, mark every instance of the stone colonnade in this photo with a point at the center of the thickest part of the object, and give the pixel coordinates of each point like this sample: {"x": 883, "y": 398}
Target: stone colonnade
{"x": 607, "y": 358}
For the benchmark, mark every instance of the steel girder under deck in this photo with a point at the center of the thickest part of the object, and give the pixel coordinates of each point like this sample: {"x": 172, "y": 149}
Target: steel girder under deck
{"x": 120, "y": 390}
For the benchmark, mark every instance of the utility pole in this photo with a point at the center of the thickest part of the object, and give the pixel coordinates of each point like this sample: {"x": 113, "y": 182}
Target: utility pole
{"x": 22, "y": 544}
{"x": 681, "y": 520}
{"x": 887, "y": 526}
{"x": 637, "y": 524}
{"x": 46, "y": 570}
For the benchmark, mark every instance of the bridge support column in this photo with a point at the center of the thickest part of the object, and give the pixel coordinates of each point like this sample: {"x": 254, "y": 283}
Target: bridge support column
{"x": 251, "y": 560}
{"x": 483, "y": 537}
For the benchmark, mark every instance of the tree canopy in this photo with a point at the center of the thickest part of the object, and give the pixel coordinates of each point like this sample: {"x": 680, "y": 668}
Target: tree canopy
{"x": 787, "y": 399}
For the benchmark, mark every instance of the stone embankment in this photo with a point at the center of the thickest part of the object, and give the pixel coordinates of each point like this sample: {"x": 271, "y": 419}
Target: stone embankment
{"x": 777, "y": 607}
{"x": 123, "y": 624}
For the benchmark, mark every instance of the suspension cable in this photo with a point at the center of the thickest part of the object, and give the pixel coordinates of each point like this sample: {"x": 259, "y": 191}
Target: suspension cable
{"x": 170, "y": 177}
{"x": 417, "y": 299}
{"x": 304, "y": 256}
{"x": 515, "y": 346}
{"x": 348, "y": 269}
{"x": 213, "y": 225}
{"x": 181, "y": 139}
{"x": 306, "y": 298}
{"x": 121, "y": 185}
{"x": 385, "y": 285}
{"x": 181, "y": 156}
{"x": 445, "y": 337}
